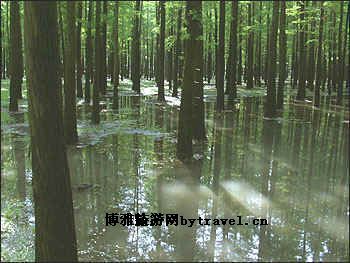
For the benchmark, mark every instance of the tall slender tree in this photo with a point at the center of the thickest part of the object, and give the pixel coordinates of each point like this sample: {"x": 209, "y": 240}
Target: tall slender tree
{"x": 70, "y": 115}
{"x": 221, "y": 60}
{"x": 161, "y": 95}
{"x": 340, "y": 57}
{"x": 231, "y": 86}
{"x": 135, "y": 49}
{"x": 104, "y": 48}
{"x": 95, "y": 117}
{"x": 191, "y": 74}
{"x": 177, "y": 52}
{"x": 270, "y": 102}
{"x": 250, "y": 51}
{"x": 55, "y": 238}
{"x": 209, "y": 50}
{"x": 88, "y": 55}
{"x": 302, "y": 54}
{"x": 319, "y": 60}
{"x": 116, "y": 55}
{"x": 282, "y": 56}
{"x": 16, "y": 57}
{"x": 78, "y": 52}
{"x": 196, "y": 33}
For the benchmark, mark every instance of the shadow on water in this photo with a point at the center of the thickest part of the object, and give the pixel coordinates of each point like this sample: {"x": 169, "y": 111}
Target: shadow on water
{"x": 292, "y": 171}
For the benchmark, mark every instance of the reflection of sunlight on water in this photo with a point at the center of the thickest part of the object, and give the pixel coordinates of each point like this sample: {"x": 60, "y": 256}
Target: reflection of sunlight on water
{"x": 336, "y": 227}
{"x": 246, "y": 196}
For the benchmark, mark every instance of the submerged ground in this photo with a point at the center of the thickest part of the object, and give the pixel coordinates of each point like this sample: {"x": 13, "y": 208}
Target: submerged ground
{"x": 292, "y": 171}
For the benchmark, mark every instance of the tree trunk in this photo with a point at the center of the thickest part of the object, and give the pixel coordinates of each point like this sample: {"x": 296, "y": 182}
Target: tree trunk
{"x": 95, "y": 117}
{"x": 70, "y": 118}
{"x": 177, "y": 53}
{"x": 302, "y": 54}
{"x": 88, "y": 52}
{"x": 55, "y": 238}
{"x": 221, "y": 60}
{"x": 311, "y": 56}
{"x": 258, "y": 50}
{"x": 232, "y": 64}
{"x": 216, "y": 41}
{"x": 340, "y": 58}
{"x": 78, "y": 54}
{"x": 135, "y": 50}
{"x": 196, "y": 38}
{"x": 266, "y": 66}
{"x": 282, "y": 56}
{"x": 161, "y": 96}
{"x": 319, "y": 60}
{"x": 250, "y": 62}
{"x": 104, "y": 50}
{"x": 16, "y": 57}
{"x": 170, "y": 61}
{"x": 185, "y": 131}
{"x": 209, "y": 54}
{"x": 270, "y": 103}
{"x": 116, "y": 56}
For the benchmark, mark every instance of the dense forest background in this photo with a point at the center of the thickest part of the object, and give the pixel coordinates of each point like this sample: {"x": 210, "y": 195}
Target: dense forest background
{"x": 212, "y": 82}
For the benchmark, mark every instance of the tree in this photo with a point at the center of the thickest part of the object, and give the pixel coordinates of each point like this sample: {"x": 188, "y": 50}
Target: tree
{"x": 135, "y": 49}
{"x": 302, "y": 54}
{"x": 340, "y": 58}
{"x": 250, "y": 62}
{"x": 95, "y": 117}
{"x": 210, "y": 53}
{"x": 185, "y": 130}
{"x": 161, "y": 96}
{"x": 221, "y": 60}
{"x": 88, "y": 55}
{"x": 177, "y": 52}
{"x": 282, "y": 56}
{"x": 103, "y": 48}
{"x": 231, "y": 86}
{"x": 196, "y": 35}
{"x": 16, "y": 57}
{"x": 270, "y": 103}
{"x": 78, "y": 53}
{"x": 116, "y": 56}
{"x": 319, "y": 60}
{"x": 70, "y": 118}
{"x": 311, "y": 55}
{"x": 55, "y": 238}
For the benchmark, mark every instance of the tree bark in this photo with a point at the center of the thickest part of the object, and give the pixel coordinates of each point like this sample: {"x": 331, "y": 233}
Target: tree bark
{"x": 177, "y": 53}
{"x": 116, "y": 56}
{"x": 161, "y": 96}
{"x": 250, "y": 62}
{"x": 70, "y": 118}
{"x": 55, "y": 238}
{"x": 340, "y": 58}
{"x": 78, "y": 53}
{"x": 302, "y": 54}
{"x": 88, "y": 52}
{"x": 231, "y": 86}
{"x": 282, "y": 56}
{"x": 319, "y": 60}
{"x": 16, "y": 57}
{"x": 185, "y": 130}
{"x": 95, "y": 117}
{"x": 196, "y": 38}
{"x": 221, "y": 60}
{"x": 135, "y": 50}
{"x": 270, "y": 103}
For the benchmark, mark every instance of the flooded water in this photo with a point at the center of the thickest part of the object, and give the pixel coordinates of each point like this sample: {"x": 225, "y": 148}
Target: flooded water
{"x": 292, "y": 171}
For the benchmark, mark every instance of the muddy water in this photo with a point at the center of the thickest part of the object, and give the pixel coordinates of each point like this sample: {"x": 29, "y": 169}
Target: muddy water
{"x": 292, "y": 171}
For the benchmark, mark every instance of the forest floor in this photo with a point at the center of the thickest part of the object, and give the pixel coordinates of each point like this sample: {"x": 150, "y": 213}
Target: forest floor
{"x": 291, "y": 170}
